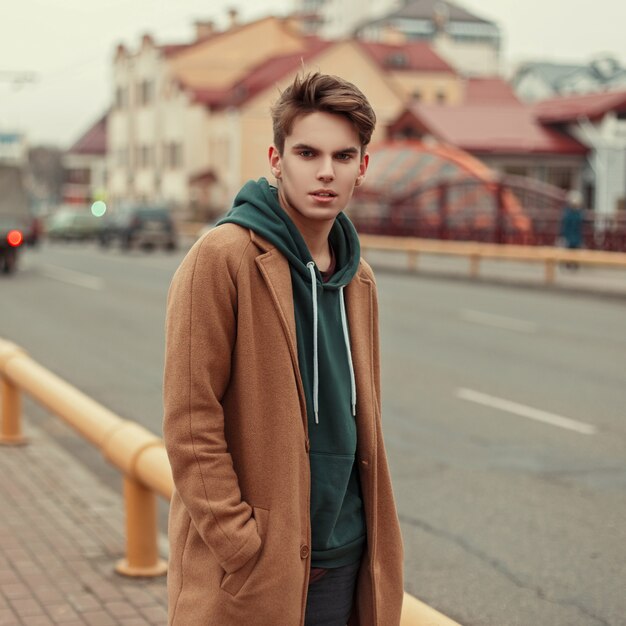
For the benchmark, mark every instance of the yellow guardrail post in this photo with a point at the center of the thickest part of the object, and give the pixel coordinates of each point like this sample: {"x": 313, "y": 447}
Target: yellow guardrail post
{"x": 142, "y": 553}
{"x": 550, "y": 271}
{"x": 11, "y": 416}
{"x": 474, "y": 265}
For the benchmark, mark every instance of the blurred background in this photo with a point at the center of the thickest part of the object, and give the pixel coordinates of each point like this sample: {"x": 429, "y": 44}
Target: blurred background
{"x": 126, "y": 128}
{"x": 492, "y": 110}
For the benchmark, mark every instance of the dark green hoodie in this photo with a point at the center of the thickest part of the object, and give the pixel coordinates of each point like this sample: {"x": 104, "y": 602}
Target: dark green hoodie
{"x": 337, "y": 517}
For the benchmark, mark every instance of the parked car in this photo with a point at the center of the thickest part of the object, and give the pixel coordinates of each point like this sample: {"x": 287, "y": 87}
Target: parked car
{"x": 15, "y": 217}
{"x": 72, "y": 225}
{"x": 143, "y": 226}
{"x": 11, "y": 239}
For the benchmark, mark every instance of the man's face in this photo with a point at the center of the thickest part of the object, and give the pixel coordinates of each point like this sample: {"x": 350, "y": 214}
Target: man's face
{"x": 319, "y": 168}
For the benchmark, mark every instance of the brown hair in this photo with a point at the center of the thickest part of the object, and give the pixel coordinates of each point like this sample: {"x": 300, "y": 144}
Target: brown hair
{"x": 322, "y": 92}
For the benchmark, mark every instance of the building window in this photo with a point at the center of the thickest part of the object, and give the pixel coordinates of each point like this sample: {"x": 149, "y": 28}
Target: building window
{"x": 121, "y": 97}
{"x": 440, "y": 97}
{"x": 416, "y": 96}
{"x": 144, "y": 155}
{"x": 173, "y": 154}
{"x": 562, "y": 177}
{"x": 122, "y": 157}
{"x": 145, "y": 92}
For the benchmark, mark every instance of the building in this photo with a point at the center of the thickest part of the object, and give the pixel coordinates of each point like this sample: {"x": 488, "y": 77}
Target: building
{"x": 84, "y": 166}
{"x": 597, "y": 121}
{"x": 467, "y": 41}
{"x": 160, "y": 131}
{"x": 13, "y": 148}
{"x": 572, "y": 142}
{"x": 506, "y": 136}
{"x": 191, "y": 123}
{"x": 335, "y": 19}
{"x": 535, "y": 81}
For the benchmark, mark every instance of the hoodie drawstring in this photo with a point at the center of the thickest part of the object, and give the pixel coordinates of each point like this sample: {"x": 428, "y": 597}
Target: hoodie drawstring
{"x": 311, "y": 267}
{"x": 346, "y": 336}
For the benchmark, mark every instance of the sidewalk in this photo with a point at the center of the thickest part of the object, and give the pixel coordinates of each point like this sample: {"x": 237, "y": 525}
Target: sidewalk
{"x": 61, "y": 533}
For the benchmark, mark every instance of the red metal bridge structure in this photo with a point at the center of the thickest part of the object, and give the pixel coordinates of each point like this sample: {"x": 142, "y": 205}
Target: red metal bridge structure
{"x": 440, "y": 192}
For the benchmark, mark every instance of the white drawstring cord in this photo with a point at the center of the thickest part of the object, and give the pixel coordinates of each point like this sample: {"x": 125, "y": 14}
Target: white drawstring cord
{"x": 311, "y": 266}
{"x": 346, "y": 337}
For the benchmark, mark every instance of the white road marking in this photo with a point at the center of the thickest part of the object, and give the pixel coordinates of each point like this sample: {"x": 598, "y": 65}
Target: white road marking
{"x": 72, "y": 277}
{"x": 489, "y": 319}
{"x": 526, "y": 411}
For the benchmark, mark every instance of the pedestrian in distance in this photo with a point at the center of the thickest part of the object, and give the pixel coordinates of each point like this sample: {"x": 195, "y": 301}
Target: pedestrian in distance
{"x": 283, "y": 512}
{"x": 571, "y": 232}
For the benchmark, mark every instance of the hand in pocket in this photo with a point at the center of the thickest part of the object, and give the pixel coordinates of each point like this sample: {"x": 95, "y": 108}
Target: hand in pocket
{"x": 233, "y": 582}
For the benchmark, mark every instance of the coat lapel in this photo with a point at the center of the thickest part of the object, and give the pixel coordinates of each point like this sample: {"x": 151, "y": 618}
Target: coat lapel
{"x": 274, "y": 269}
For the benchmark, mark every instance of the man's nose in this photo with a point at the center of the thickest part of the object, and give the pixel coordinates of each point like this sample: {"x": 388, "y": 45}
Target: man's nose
{"x": 326, "y": 170}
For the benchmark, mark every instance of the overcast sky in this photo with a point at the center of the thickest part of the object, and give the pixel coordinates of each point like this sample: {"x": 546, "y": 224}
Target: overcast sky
{"x": 69, "y": 45}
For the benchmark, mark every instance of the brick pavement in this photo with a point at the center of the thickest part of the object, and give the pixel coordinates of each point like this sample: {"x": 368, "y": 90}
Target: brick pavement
{"x": 61, "y": 532}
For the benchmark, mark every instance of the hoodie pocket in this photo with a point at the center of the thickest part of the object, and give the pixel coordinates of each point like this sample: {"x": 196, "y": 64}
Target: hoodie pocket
{"x": 233, "y": 582}
{"x": 335, "y": 501}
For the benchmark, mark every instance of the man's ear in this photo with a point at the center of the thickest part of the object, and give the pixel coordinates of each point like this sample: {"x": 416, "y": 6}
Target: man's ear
{"x": 275, "y": 161}
{"x": 365, "y": 161}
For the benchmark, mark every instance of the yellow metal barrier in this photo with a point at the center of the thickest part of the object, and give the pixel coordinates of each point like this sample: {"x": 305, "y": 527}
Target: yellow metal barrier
{"x": 135, "y": 451}
{"x": 476, "y": 251}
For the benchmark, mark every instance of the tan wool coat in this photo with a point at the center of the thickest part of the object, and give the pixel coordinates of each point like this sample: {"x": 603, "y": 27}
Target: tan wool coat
{"x": 236, "y": 434}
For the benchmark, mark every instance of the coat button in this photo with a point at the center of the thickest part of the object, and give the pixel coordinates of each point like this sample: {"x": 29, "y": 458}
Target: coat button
{"x": 304, "y": 552}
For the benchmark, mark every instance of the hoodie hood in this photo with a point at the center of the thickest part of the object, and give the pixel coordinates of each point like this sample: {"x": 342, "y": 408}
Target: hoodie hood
{"x": 257, "y": 207}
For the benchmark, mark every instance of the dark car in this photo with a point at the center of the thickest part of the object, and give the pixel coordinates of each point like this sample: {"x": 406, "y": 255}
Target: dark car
{"x": 72, "y": 225}
{"x": 142, "y": 226}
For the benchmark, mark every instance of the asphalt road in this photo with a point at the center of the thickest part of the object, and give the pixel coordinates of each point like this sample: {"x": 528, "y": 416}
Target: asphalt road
{"x": 504, "y": 413}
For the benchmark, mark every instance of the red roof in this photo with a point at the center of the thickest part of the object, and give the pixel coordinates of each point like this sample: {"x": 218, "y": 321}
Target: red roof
{"x": 213, "y": 98}
{"x": 570, "y": 108}
{"x": 94, "y": 140}
{"x": 490, "y": 128}
{"x": 173, "y": 48}
{"x": 412, "y": 56}
{"x": 489, "y": 91}
{"x": 260, "y": 77}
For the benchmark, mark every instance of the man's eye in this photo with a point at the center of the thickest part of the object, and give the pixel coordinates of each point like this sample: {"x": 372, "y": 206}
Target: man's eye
{"x": 344, "y": 156}
{"x": 305, "y": 153}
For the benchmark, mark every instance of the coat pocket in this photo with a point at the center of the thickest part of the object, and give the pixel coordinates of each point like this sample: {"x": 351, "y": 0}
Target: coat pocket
{"x": 233, "y": 582}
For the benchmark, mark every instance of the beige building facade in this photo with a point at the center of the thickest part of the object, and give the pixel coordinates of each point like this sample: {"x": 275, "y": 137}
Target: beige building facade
{"x": 190, "y": 124}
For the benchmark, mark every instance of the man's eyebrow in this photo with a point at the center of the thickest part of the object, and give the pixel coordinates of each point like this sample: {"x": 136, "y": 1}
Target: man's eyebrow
{"x": 304, "y": 146}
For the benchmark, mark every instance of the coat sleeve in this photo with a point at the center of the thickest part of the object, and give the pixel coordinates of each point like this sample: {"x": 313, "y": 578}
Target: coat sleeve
{"x": 200, "y": 334}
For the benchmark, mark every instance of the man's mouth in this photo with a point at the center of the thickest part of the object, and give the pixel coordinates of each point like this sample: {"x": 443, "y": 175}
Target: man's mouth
{"x": 323, "y": 194}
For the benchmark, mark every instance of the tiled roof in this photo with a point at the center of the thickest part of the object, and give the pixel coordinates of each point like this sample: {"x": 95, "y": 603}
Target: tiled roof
{"x": 419, "y": 56}
{"x": 412, "y": 56}
{"x": 489, "y": 90}
{"x": 93, "y": 141}
{"x": 173, "y": 48}
{"x": 493, "y": 128}
{"x": 260, "y": 77}
{"x": 570, "y": 108}
{"x": 425, "y": 10}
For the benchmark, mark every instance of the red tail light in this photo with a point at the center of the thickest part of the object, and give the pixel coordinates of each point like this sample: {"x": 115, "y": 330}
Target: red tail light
{"x": 15, "y": 238}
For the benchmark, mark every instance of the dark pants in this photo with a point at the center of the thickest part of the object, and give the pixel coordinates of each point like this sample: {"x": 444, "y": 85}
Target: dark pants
{"x": 329, "y": 600}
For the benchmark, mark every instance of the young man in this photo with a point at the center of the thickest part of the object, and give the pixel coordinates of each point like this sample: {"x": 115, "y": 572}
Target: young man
{"x": 283, "y": 513}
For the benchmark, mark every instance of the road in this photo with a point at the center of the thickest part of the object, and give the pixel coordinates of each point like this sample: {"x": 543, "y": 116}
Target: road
{"x": 503, "y": 413}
